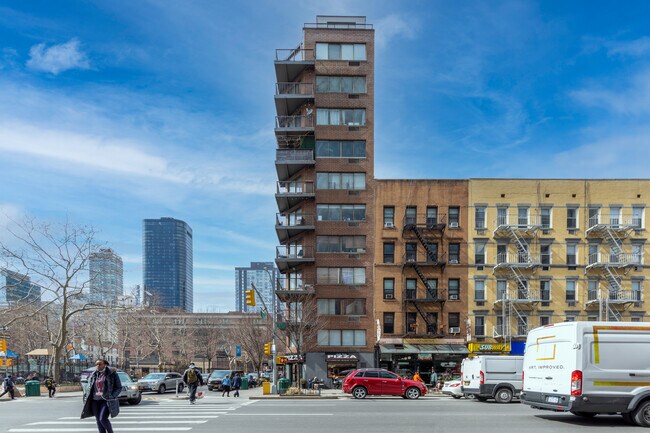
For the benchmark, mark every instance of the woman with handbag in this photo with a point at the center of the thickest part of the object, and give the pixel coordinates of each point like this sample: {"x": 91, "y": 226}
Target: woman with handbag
{"x": 104, "y": 388}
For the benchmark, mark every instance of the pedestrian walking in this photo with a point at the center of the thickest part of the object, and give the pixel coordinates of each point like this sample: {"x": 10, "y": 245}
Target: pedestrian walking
{"x": 236, "y": 384}
{"x": 104, "y": 388}
{"x": 192, "y": 378}
{"x": 51, "y": 386}
{"x": 225, "y": 383}
{"x": 8, "y": 384}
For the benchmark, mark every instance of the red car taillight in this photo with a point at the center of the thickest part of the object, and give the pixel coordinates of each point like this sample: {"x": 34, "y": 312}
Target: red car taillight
{"x": 482, "y": 380}
{"x": 576, "y": 382}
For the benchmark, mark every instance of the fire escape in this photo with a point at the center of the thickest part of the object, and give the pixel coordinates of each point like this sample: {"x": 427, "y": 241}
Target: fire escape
{"x": 518, "y": 269}
{"x": 613, "y": 300}
{"x": 427, "y": 234}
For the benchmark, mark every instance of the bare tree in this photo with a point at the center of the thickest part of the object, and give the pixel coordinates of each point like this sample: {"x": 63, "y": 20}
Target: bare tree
{"x": 209, "y": 340}
{"x": 302, "y": 324}
{"x": 252, "y": 333}
{"x": 55, "y": 258}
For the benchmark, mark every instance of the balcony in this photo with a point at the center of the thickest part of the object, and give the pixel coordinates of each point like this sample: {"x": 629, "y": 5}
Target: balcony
{"x": 289, "y": 63}
{"x": 288, "y": 162}
{"x": 413, "y": 259}
{"x": 290, "y": 256}
{"x": 288, "y": 226}
{"x": 430, "y": 296}
{"x": 621, "y": 298}
{"x": 294, "y": 125}
{"x": 290, "y": 96}
{"x": 623, "y": 260}
{"x": 522, "y": 225}
{"x": 292, "y": 193}
{"x": 602, "y": 225}
{"x": 521, "y": 297}
{"x": 289, "y": 288}
{"x": 516, "y": 260}
{"x": 428, "y": 227}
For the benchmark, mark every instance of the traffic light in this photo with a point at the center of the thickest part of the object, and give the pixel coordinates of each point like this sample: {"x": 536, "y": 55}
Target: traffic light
{"x": 3, "y": 345}
{"x": 267, "y": 348}
{"x": 250, "y": 297}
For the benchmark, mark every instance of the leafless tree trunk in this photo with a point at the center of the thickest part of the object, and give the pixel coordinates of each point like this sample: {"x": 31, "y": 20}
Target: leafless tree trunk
{"x": 252, "y": 333}
{"x": 302, "y": 326}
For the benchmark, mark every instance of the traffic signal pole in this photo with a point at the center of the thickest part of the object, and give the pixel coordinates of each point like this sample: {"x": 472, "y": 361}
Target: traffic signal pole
{"x": 274, "y": 375}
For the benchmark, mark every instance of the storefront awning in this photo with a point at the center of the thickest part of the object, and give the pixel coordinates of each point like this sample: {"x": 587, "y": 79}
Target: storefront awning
{"x": 455, "y": 349}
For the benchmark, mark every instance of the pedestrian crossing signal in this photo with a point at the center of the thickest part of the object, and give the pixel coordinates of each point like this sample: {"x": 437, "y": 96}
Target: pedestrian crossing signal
{"x": 267, "y": 348}
{"x": 250, "y": 298}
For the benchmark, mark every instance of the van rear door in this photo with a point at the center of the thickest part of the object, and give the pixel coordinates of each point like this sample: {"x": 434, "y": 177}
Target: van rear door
{"x": 549, "y": 360}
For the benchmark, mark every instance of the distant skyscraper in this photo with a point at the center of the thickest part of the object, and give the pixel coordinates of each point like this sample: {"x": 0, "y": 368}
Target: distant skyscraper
{"x": 105, "y": 276}
{"x": 263, "y": 275}
{"x": 16, "y": 288}
{"x": 167, "y": 263}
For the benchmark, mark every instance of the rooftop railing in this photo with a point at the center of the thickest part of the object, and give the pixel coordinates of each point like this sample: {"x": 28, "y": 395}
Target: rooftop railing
{"x": 338, "y": 26}
{"x": 294, "y": 54}
{"x": 294, "y": 121}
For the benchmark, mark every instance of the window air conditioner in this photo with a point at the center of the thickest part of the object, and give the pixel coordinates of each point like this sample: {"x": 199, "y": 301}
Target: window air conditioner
{"x": 388, "y": 296}
{"x": 454, "y": 330}
{"x": 453, "y": 297}
{"x": 389, "y": 225}
{"x": 453, "y": 225}
{"x": 453, "y": 262}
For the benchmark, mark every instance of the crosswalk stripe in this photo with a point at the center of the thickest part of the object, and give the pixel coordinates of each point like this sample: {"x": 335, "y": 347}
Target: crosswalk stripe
{"x": 94, "y": 429}
{"x": 215, "y": 415}
{"x": 119, "y": 421}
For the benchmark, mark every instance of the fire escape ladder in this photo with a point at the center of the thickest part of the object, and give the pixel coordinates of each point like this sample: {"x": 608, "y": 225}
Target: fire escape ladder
{"x": 520, "y": 243}
{"x": 420, "y": 236}
{"x": 418, "y": 271}
{"x": 613, "y": 279}
{"x": 522, "y": 282}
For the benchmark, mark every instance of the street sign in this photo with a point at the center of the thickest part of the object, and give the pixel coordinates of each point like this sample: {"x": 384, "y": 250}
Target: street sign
{"x": 237, "y": 350}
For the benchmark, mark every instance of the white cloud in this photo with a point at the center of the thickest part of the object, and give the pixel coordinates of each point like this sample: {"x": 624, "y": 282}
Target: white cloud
{"x": 392, "y": 27}
{"x": 57, "y": 58}
{"x": 635, "y": 48}
{"x": 630, "y": 99}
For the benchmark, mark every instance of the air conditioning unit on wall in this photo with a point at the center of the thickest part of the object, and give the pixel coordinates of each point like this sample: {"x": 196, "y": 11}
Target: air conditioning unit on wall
{"x": 389, "y": 225}
{"x": 453, "y": 225}
{"x": 454, "y": 330}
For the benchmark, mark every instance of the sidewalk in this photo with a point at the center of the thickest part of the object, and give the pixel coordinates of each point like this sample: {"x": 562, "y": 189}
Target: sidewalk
{"x": 325, "y": 394}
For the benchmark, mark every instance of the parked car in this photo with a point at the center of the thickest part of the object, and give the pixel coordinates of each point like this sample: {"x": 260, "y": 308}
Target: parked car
{"x": 492, "y": 376}
{"x": 253, "y": 379}
{"x": 337, "y": 380}
{"x": 130, "y": 392}
{"x": 588, "y": 368}
{"x": 214, "y": 382}
{"x": 161, "y": 382}
{"x": 205, "y": 377}
{"x": 452, "y": 388}
{"x": 375, "y": 381}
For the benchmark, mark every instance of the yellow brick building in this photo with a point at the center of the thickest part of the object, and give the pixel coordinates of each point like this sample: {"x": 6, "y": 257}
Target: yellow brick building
{"x": 546, "y": 251}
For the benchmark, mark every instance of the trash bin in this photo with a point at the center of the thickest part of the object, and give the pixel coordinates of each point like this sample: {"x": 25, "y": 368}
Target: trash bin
{"x": 244, "y": 383}
{"x": 32, "y": 388}
{"x": 266, "y": 388}
{"x": 283, "y": 385}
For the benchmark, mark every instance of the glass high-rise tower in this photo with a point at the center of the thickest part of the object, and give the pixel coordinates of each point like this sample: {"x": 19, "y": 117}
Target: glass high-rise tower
{"x": 106, "y": 276}
{"x": 167, "y": 263}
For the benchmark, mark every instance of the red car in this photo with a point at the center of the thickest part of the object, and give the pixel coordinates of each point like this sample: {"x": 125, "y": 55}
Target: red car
{"x": 375, "y": 381}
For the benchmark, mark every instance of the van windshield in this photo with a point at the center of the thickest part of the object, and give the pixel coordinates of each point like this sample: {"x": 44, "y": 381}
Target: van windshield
{"x": 219, "y": 374}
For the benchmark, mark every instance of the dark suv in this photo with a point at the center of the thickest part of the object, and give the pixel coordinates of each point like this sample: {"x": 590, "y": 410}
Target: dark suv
{"x": 215, "y": 379}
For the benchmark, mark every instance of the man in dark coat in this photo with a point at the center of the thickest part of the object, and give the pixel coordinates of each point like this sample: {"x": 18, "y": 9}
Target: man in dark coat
{"x": 192, "y": 377}
{"x": 9, "y": 387}
{"x": 104, "y": 388}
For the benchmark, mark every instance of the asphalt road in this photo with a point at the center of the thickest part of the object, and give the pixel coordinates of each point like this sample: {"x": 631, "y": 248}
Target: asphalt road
{"x": 377, "y": 415}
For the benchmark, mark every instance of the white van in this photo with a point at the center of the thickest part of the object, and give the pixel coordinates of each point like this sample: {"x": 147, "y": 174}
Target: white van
{"x": 589, "y": 368}
{"x": 492, "y": 376}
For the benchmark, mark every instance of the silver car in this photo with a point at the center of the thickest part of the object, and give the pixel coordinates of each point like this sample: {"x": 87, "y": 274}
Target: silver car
{"x": 129, "y": 394}
{"x": 161, "y": 382}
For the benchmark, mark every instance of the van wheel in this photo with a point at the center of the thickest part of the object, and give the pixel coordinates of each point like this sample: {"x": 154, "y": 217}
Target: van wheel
{"x": 585, "y": 414}
{"x": 641, "y": 414}
{"x": 503, "y": 395}
{"x": 359, "y": 392}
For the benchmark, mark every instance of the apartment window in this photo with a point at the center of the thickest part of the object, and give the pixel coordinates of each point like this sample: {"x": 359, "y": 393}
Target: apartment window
{"x": 637, "y": 290}
{"x": 411, "y": 215}
{"x": 341, "y": 116}
{"x": 454, "y": 253}
{"x": 342, "y": 307}
{"x": 571, "y": 254}
{"x": 432, "y": 253}
{"x": 502, "y": 289}
{"x": 411, "y": 288}
{"x": 479, "y": 290}
{"x": 545, "y": 254}
{"x": 593, "y": 253}
{"x": 340, "y": 84}
{"x": 570, "y": 318}
{"x": 571, "y": 290}
{"x": 544, "y": 320}
{"x": 411, "y": 322}
{"x": 454, "y": 289}
{"x": 389, "y": 216}
{"x": 522, "y": 216}
{"x": 502, "y": 253}
{"x": 347, "y": 181}
{"x": 389, "y": 323}
{"x": 454, "y": 216}
{"x": 432, "y": 323}
{"x": 350, "y": 276}
{"x": 454, "y": 320}
{"x": 594, "y": 216}
{"x": 341, "y": 244}
{"x": 479, "y": 326}
{"x": 614, "y": 216}
{"x": 389, "y": 288}
{"x": 522, "y": 325}
{"x": 592, "y": 318}
{"x": 636, "y": 319}
{"x": 502, "y": 216}
{"x": 546, "y": 217}
{"x": 592, "y": 290}
{"x": 500, "y": 328}
{"x": 545, "y": 290}
{"x": 572, "y": 218}
{"x": 389, "y": 252}
{"x": 341, "y": 212}
{"x": 330, "y": 51}
{"x": 432, "y": 216}
{"x": 432, "y": 288}
{"x": 523, "y": 252}
{"x": 479, "y": 217}
{"x": 637, "y": 217}
{"x": 411, "y": 252}
{"x": 479, "y": 253}
{"x": 340, "y": 149}
{"x": 637, "y": 253}
{"x": 341, "y": 337}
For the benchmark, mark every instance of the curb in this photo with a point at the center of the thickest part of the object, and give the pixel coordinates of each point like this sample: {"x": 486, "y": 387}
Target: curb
{"x": 296, "y": 397}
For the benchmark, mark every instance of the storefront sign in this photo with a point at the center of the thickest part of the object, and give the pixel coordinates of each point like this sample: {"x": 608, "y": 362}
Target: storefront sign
{"x": 294, "y": 359}
{"x": 489, "y": 347}
{"x": 448, "y": 364}
{"x": 341, "y": 357}
{"x": 425, "y": 357}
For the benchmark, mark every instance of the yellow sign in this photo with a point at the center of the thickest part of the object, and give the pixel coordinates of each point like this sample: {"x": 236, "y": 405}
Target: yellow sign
{"x": 3, "y": 345}
{"x": 280, "y": 360}
{"x": 488, "y": 347}
{"x": 2, "y": 362}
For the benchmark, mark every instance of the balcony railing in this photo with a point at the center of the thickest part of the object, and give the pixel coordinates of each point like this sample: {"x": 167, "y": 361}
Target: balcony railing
{"x": 296, "y": 252}
{"x": 430, "y": 222}
{"x": 338, "y": 26}
{"x": 615, "y": 221}
{"x": 614, "y": 296}
{"x": 295, "y": 187}
{"x": 288, "y": 155}
{"x": 287, "y": 122}
{"x": 518, "y": 222}
{"x": 294, "y": 55}
{"x": 517, "y": 259}
{"x": 294, "y": 284}
{"x": 292, "y": 220}
{"x": 623, "y": 259}
{"x": 294, "y": 89}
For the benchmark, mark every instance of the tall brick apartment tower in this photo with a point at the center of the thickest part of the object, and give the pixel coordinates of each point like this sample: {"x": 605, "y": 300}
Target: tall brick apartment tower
{"x": 324, "y": 128}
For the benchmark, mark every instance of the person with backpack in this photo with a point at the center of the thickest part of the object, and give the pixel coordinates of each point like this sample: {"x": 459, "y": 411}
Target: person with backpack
{"x": 104, "y": 388}
{"x": 9, "y": 387}
{"x": 193, "y": 379}
{"x": 51, "y": 386}
{"x": 236, "y": 384}
{"x": 225, "y": 383}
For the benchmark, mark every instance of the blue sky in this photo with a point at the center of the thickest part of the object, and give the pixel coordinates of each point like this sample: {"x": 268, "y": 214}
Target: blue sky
{"x": 111, "y": 112}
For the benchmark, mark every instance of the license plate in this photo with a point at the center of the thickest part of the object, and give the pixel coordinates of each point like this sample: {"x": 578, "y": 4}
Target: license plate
{"x": 552, "y": 399}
